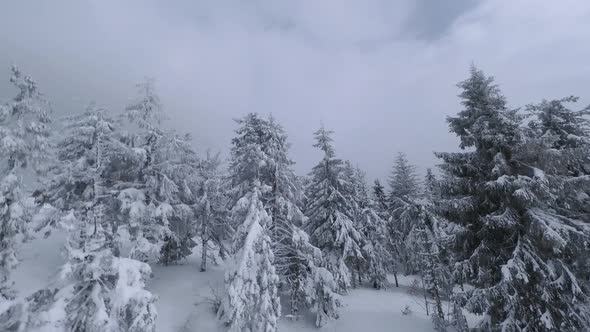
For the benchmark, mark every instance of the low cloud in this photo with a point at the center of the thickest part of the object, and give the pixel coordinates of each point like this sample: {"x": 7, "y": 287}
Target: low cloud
{"x": 379, "y": 73}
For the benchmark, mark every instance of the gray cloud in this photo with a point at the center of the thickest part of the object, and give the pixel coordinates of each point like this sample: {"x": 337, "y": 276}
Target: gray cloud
{"x": 380, "y": 73}
{"x": 431, "y": 19}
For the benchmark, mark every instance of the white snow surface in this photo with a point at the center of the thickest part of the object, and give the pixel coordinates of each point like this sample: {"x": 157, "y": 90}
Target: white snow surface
{"x": 184, "y": 294}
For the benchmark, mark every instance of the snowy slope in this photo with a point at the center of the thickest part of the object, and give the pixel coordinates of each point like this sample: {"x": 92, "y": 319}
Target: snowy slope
{"x": 40, "y": 260}
{"x": 183, "y": 294}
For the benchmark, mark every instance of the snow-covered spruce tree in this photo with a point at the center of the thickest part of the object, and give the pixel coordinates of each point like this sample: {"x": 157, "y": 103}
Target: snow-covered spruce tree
{"x": 558, "y": 142}
{"x": 355, "y": 190}
{"x": 25, "y": 125}
{"x": 404, "y": 191}
{"x": 146, "y": 111}
{"x": 403, "y": 182}
{"x": 176, "y": 179}
{"x": 330, "y": 213}
{"x": 97, "y": 290}
{"x": 380, "y": 200}
{"x": 293, "y": 253}
{"x": 375, "y": 250}
{"x": 252, "y": 301}
{"x": 260, "y": 155}
{"x": 375, "y": 259}
{"x": 12, "y": 218}
{"x": 433, "y": 272}
{"x": 380, "y": 203}
{"x": 24, "y": 145}
{"x": 311, "y": 284}
{"x": 517, "y": 253}
{"x": 431, "y": 186}
{"x": 212, "y": 208}
{"x": 164, "y": 182}
{"x": 147, "y": 219}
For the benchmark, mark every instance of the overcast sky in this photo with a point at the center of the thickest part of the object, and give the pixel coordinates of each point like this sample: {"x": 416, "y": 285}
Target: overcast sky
{"x": 380, "y": 73}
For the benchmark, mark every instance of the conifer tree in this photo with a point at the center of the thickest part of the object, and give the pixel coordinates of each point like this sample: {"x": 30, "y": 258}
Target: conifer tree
{"x": 404, "y": 192}
{"x": 260, "y": 155}
{"x": 431, "y": 187}
{"x": 212, "y": 208}
{"x": 24, "y": 144}
{"x": 296, "y": 259}
{"x": 355, "y": 189}
{"x": 311, "y": 285}
{"x": 330, "y": 212}
{"x": 252, "y": 302}
{"x": 403, "y": 182}
{"x": 514, "y": 249}
{"x": 146, "y": 111}
{"x": 166, "y": 181}
{"x": 97, "y": 290}
{"x": 375, "y": 249}
{"x": 558, "y": 142}
{"x": 380, "y": 199}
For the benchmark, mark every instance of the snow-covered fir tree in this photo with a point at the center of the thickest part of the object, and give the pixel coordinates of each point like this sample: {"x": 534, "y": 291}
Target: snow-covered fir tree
{"x": 25, "y": 121}
{"x": 97, "y": 290}
{"x": 164, "y": 193}
{"x": 375, "y": 250}
{"x": 329, "y": 209}
{"x": 380, "y": 200}
{"x": 558, "y": 142}
{"x": 260, "y": 155}
{"x": 431, "y": 187}
{"x": 517, "y": 252}
{"x": 403, "y": 182}
{"x": 212, "y": 210}
{"x": 24, "y": 147}
{"x": 311, "y": 284}
{"x": 297, "y": 261}
{"x": 434, "y": 275}
{"x": 355, "y": 189}
{"x": 146, "y": 111}
{"x": 251, "y": 302}
{"x": 175, "y": 180}
{"x": 404, "y": 191}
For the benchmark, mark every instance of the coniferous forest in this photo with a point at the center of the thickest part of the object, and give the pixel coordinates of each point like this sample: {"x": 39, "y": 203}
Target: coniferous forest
{"x": 493, "y": 238}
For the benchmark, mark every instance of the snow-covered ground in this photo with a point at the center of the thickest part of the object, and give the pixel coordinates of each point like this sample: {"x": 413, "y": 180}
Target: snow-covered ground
{"x": 184, "y": 294}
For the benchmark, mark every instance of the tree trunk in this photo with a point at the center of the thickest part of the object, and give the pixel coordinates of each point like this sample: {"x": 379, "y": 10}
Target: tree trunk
{"x": 358, "y": 267}
{"x": 395, "y": 277}
{"x": 425, "y": 293}
{"x": 204, "y": 254}
{"x": 437, "y": 300}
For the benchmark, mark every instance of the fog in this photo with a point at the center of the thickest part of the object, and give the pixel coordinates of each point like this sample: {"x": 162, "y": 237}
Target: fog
{"x": 381, "y": 74}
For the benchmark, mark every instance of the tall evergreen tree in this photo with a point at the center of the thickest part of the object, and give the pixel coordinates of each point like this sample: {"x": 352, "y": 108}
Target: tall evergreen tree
{"x": 24, "y": 145}
{"x": 164, "y": 183}
{"x": 97, "y": 290}
{"x": 212, "y": 208}
{"x": 431, "y": 186}
{"x": 403, "y": 182}
{"x": 514, "y": 249}
{"x": 260, "y": 155}
{"x": 380, "y": 199}
{"x": 146, "y": 110}
{"x": 404, "y": 191}
{"x": 558, "y": 142}
{"x": 330, "y": 212}
{"x": 297, "y": 262}
{"x": 252, "y": 301}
